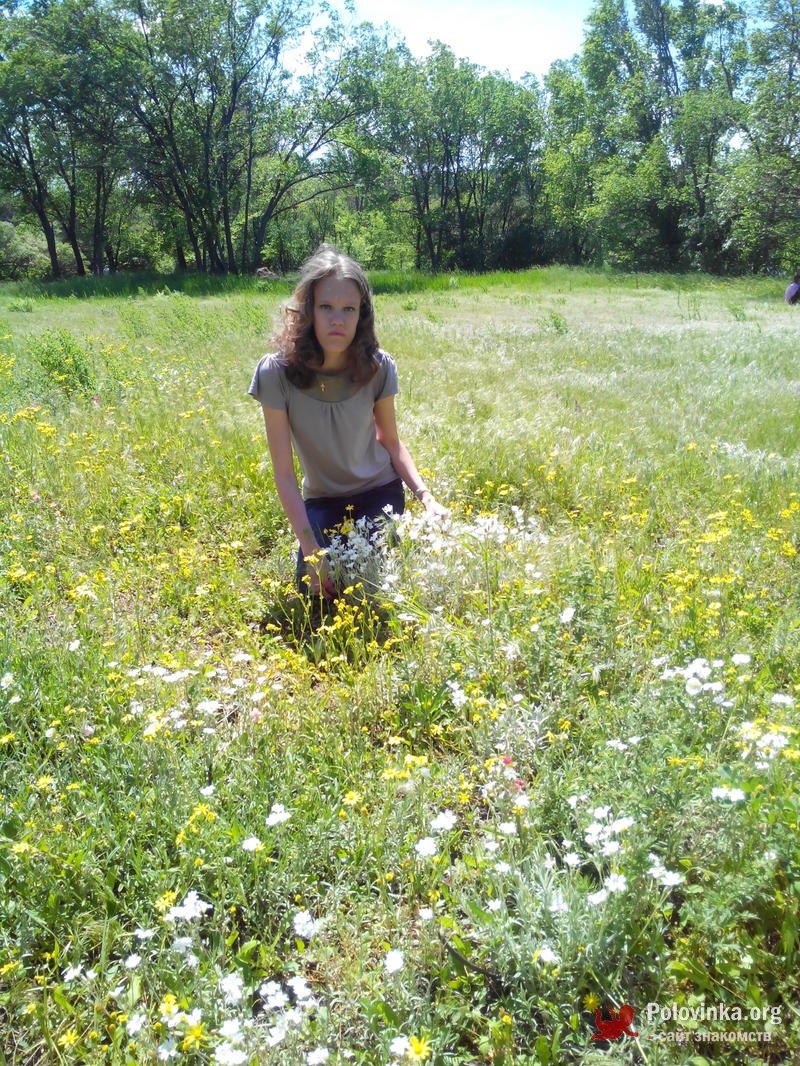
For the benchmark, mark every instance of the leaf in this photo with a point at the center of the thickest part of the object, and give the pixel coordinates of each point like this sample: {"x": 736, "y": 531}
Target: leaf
{"x": 247, "y": 951}
{"x": 62, "y": 1001}
{"x": 542, "y": 1050}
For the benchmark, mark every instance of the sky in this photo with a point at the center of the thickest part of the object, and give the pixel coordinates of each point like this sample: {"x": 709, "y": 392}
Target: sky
{"x": 517, "y": 36}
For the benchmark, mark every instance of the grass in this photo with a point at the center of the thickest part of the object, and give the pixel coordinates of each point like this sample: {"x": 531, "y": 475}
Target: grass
{"x": 554, "y": 767}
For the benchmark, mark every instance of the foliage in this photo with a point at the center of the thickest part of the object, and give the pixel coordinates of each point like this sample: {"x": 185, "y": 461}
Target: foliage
{"x": 225, "y": 136}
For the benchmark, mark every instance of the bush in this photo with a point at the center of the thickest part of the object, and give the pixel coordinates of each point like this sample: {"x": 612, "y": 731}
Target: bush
{"x": 64, "y": 361}
{"x": 22, "y": 253}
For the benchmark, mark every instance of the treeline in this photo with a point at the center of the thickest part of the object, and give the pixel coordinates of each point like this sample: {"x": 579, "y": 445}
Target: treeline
{"x": 160, "y": 134}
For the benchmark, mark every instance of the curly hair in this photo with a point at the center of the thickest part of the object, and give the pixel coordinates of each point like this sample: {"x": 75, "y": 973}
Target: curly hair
{"x": 296, "y": 341}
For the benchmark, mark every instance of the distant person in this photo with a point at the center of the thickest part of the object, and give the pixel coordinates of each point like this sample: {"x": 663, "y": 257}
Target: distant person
{"x": 792, "y": 294}
{"x": 329, "y": 391}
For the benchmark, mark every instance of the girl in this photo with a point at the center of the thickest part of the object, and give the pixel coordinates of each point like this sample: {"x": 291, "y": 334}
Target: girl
{"x": 329, "y": 391}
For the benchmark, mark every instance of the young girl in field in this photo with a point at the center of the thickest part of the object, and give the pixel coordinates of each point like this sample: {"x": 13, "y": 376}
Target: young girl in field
{"x": 329, "y": 391}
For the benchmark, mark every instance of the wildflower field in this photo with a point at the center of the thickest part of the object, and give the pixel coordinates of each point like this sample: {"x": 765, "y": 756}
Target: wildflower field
{"x": 537, "y": 765}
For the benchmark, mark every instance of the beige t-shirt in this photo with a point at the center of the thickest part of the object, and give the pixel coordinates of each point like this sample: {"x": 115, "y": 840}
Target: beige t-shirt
{"x": 333, "y": 432}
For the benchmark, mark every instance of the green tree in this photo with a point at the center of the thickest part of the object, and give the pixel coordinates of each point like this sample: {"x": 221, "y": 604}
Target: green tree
{"x": 765, "y": 186}
{"x": 465, "y": 142}
{"x": 25, "y": 167}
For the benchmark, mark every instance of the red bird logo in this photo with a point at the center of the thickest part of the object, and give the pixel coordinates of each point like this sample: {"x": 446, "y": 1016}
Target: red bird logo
{"x": 614, "y": 1027}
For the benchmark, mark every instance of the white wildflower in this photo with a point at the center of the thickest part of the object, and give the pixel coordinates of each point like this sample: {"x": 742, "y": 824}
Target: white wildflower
{"x": 135, "y": 1024}
{"x": 305, "y": 926}
{"x": 232, "y": 988}
{"x": 426, "y": 847}
{"x": 274, "y": 996}
{"x": 394, "y": 961}
{"x": 278, "y": 815}
{"x": 443, "y": 822}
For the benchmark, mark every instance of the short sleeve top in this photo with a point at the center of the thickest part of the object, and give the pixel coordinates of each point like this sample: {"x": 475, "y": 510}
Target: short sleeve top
{"x": 331, "y": 423}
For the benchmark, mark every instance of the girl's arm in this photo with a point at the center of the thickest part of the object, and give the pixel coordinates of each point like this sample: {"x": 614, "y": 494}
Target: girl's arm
{"x": 280, "y": 450}
{"x": 386, "y": 430}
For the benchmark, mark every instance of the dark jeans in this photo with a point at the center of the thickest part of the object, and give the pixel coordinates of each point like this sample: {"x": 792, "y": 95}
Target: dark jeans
{"x": 326, "y": 512}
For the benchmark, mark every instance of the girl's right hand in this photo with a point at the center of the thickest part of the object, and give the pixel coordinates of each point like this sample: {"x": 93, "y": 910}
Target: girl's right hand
{"x": 319, "y": 574}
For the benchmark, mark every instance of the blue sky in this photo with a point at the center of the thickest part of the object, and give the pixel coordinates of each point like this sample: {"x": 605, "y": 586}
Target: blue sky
{"x": 518, "y": 36}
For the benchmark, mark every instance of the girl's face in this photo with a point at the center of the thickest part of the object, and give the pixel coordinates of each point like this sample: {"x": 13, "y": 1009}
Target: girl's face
{"x": 337, "y": 304}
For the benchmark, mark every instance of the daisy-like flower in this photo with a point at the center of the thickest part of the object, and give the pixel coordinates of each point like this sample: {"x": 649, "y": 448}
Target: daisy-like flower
{"x": 394, "y": 961}
{"x": 274, "y": 996}
{"x": 135, "y": 1024}
{"x": 208, "y": 706}
{"x": 317, "y": 1056}
{"x": 735, "y": 795}
{"x": 252, "y": 844}
{"x": 566, "y": 616}
{"x": 508, "y": 829}
{"x": 144, "y": 934}
{"x": 192, "y": 908}
{"x": 229, "y": 1055}
{"x": 546, "y": 955}
{"x": 595, "y": 898}
{"x": 400, "y": 1047}
{"x": 132, "y": 961}
{"x": 305, "y": 926}
{"x": 572, "y": 858}
{"x": 231, "y": 1029}
{"x": 619, "y": 825}
{"x": 493, "y": 906}
{"x": 278, "y": 815}
{"x": 443, "y": 822}
{"x": 426, "y": 914}
{"x": 693, "y": 686}
{"x": 457, "y": 695}
{"x": 300, "y": 987}
{"x": 232, "y": 987}
{"x": 426, "y": 847}
{"x": 616, "y": 883}
{"x": 207, "y": 790}
{"x": 670, "y": 878}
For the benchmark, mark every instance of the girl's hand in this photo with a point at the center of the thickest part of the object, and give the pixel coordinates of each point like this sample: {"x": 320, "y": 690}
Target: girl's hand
{"x": 320, "y": 582}
{"x": 433, "y": 507}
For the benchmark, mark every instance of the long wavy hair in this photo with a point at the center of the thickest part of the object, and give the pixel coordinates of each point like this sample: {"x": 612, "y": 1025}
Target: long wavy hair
{"x": 295, "y": 339}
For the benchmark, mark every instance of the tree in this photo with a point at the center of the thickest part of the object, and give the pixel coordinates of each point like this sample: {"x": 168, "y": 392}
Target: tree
{"x": 765, "y": 185}
{"x": 465, "y": 143}
{"x": 24, "y": 166}
{"x": 669, "y": 81}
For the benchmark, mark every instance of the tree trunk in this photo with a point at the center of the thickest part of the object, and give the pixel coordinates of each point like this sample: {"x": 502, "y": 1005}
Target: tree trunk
{"x": 180, "y": 256}
{"x": 98, "y": 226}
{"x": 50, "y": 237}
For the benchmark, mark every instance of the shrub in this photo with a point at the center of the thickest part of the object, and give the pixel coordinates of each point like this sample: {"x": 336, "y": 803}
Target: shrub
{"x": 64, "y": 361}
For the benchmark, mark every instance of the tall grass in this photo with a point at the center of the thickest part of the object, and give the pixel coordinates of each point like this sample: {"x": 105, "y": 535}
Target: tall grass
{"x": 549, "y": 768}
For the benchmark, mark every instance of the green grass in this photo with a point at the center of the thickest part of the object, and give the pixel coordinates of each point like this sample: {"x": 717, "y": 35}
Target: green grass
{"x": 554, "y": 668}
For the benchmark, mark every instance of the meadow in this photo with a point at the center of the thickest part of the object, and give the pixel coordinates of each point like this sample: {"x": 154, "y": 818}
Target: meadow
{"x": 541, "y": 761}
